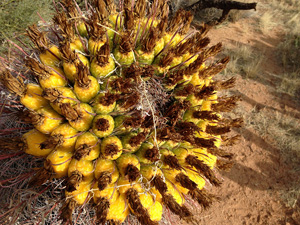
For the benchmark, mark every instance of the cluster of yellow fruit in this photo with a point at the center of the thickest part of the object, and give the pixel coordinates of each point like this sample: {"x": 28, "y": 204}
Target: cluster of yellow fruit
{"x": 125, "y": 109}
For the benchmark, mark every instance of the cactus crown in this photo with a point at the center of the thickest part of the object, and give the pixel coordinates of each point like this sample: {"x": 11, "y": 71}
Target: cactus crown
{"x": 135, "y": 125}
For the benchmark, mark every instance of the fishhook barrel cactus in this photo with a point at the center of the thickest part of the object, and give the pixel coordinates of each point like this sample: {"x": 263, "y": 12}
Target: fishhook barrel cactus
{"x": 120, "y": 107}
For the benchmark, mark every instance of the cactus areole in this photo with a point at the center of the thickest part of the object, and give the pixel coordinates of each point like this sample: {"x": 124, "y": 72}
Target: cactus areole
{"x": 122, "y": 107}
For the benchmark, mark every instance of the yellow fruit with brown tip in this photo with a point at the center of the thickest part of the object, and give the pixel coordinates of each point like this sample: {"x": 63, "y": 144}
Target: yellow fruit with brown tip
{"x": 60, "y": 161}
{"x": 84, "y": 115}
{"x": 81, "y": 194}
{"x": 32, "y": 140}
{"x": 124, "y": 58}
{"x": 77, "y": 44}
{"x": 118, "y": 210}
{"x": 107, "y": 166}
{"x": 110, "y": 192}
{"x": 33, "y": 97}
{"x": 66, "y": 134}
{"x": 51, "y": 57}
{"x": 86, "y": 93}
{"x": 70, "y": 68}
{"x": 84, "y": 167}
{"x": 104, "y": 103}
{"x": 58, "y": 96}
{"x": 94, "y": 45}
{"x": 87, "y": 146}
{"x": 55, "y": 79}
{"x": 99, "y": 71}
{"x": 47, "y": 120}
{"x": 111, "y": 148}
{"x": 103, "y": 125}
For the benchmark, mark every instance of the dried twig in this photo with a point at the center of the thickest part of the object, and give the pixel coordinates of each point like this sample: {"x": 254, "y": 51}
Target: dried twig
{"x": 225, "y": 5}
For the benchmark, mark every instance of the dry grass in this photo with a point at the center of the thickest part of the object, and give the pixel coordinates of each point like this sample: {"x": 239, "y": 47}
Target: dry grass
{"x": 290, "y": 84}
{"x": 266, "y": 21}
{"x": 16, "y": 15}
{"x": 289, "y": 50}
{"x": 243, "y": 60}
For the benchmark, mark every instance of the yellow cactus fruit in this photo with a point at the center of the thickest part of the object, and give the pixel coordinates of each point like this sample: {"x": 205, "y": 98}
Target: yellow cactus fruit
{"x": 174, "y": 193}
{"x": 102, "y": 64}
{"x": 87, "y": 147}
{"x": 82, "y": 29}
{"x": 149, "y": 171}
{"x": 83, "y": 59}
{"x": 124, "y": 53}
{"x": 171, "y": 40}
{"x": 196, "y": 81}
{"x": 104, "y": 103}
{"x": 48, "y": 76}
{"x": 172, "y": 176}
{"x": 86, "y": 87}
{"x": 169, "y": 159}
{"x": 84, "y": 167}
{"x": 103, "y": 125}
{"x": 58, "y": 96}
{"x": 71, "y": 61}
{"x": 63, "y": 136}
{"x": 60, "y": 161}
{"x": 146, "y": 200}
{"x": 148, "y": 153}
{"x": 94, "y": 45}
{"x": 129, "y": 166}
{"x": 33, "y": 97}
{"x": 70, "y": 70}
{"x": 133, "y": 141}
{"x": 155, "y": 211}
{"x": 126, "y": 58}
{"x": 49, "y": 54}
{"x": 114, "y": 18}
{"x": 109, "y": 192}
{"x": 55, "y": 79}
{"x": 118, "y": 210}
{"x": 106, "y": 173}
{"x": 80, "y": 196}
{"x": 146, "y": 54}
{"x": 32, "y": 140}
{"x": 206, "y": 157}
{"x": 51, "y": 57}
{"x": 194, "y": 100}
{"x": 80, "y": 116}
{"x": 189, "y": 116}
{"x": 111, "y": 147}
{"x": 160, "y": 44}
{"x": 206, "y": 105}
{"x": 197, "y": 179}
{"x": 77, "y": 45}
{"x": 145, "y": 57}
{"x": 45, "y": 119}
